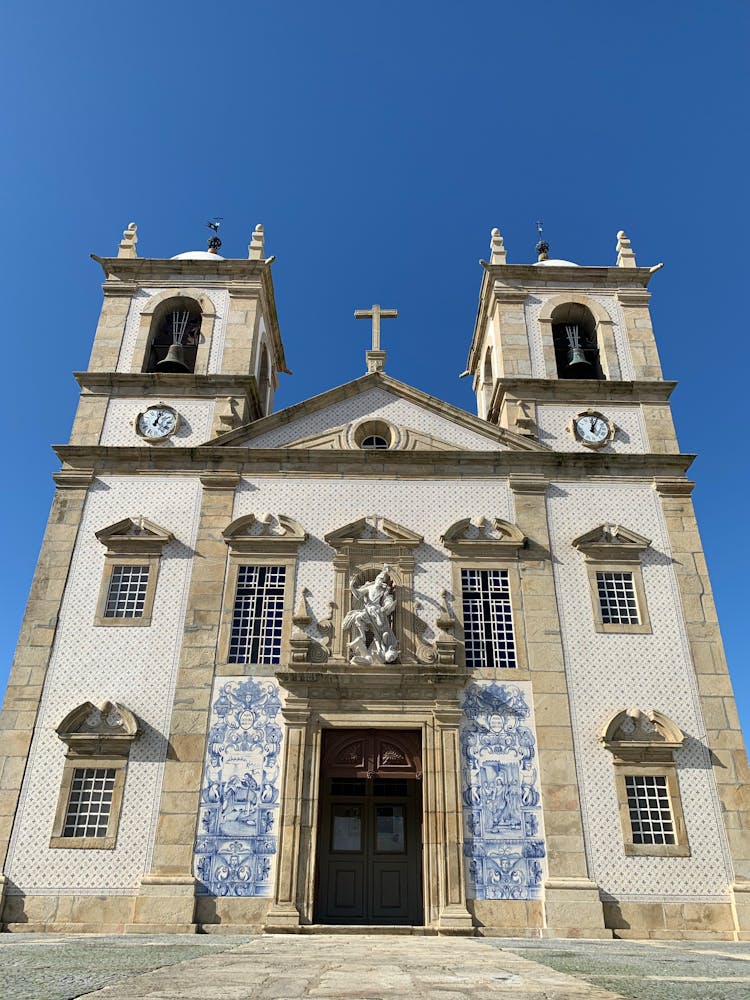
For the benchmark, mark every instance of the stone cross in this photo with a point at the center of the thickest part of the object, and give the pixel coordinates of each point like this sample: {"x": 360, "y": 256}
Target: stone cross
{"x": 375, "y": 357}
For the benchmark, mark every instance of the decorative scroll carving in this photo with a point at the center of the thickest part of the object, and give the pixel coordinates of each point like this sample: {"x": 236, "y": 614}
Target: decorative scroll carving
{"x": 368, "y": 753}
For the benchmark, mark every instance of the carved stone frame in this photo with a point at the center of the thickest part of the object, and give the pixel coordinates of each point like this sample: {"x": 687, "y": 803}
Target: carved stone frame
{"x": 355, "y": 553}
{"x": 147, "y": 330}
{"x": 654, "y": 756}
{"x": 488, "y": 553}
{"x": 99, "y": 746}
{"x": 127, "y": 549}
{"x": 277, "y": 545}
{"x": 614, "y": 549}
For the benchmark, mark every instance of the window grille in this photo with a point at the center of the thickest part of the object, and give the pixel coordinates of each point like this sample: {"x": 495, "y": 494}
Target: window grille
{"x": 488, "y": 621}
{"x": 90, "y": 802}
{"x": 650, "y": 812}
{"x": 258, "y": 615}
{"x": 126, "y": 596}
{"x": 617, "y": 598}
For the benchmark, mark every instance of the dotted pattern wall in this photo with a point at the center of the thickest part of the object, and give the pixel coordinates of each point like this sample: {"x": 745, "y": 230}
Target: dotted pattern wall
{"x": 425, "y": 506}
{"x": 218, "y": 296}
{"x": 376, "y": 403}
{"x": 532, "y": 307}
{"x": 196, "y": 418}
{"x": 630, "y": 436}
{"x": 608, "y": 672}
{"x": 136, "y": 666}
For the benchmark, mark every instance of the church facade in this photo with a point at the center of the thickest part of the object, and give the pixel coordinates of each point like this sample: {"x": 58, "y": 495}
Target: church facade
{"x": 372, "y": 660}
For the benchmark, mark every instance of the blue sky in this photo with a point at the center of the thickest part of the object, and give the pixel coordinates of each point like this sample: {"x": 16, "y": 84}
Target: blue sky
{"x": 378, "y": 144}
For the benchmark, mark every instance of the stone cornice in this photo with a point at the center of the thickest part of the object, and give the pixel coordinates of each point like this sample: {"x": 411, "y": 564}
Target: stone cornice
{"x": 544, "y": 390}
{"x": 167, "y": 383}
{"x": 164, "y": 270}
{"x": 368, "y": 464}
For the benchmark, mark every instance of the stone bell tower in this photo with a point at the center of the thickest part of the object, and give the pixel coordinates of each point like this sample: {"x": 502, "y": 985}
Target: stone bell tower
{"x": 554, "y": 340}
{"x": 186, "y": 348}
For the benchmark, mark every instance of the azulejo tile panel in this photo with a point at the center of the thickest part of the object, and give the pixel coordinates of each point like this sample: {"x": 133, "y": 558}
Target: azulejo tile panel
{"x": 240, "y": 794}
{"x": 503, "y": 835}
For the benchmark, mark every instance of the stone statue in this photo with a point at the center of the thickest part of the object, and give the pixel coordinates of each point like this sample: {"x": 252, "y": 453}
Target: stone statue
{"x": 372, "y": 621}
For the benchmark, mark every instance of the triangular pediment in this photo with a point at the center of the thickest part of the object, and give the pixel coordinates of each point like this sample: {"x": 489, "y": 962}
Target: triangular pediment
{"x": 416, "y": 420}
{"x": 611, "y": 541}
{"x": 134, "y": 535}
{"x": 372, "y": 530}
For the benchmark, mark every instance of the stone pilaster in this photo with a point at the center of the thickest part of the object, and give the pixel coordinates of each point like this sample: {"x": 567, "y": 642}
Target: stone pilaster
{"x": 571, "y": 900}
{"x": 29, "y": 670}
{"x": 285, "y": 913}
{"x": 166, "y": 900}
{"x": 454, "y": 918}
{"x": 723, "y": 734}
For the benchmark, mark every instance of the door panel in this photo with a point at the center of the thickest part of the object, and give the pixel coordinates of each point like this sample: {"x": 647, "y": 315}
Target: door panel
{"x": 370, "y": 852}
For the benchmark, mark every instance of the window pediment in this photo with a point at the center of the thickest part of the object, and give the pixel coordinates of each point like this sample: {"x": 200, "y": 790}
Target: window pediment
{"x": 633, "y": 734}
{"x": 134, "y": 536}
{"x": 473, "y": 536}
{"x": 373, "y": 530}
{"x": 612, "y": 543}
{"x": 264, "y": 533}
{"x": 105, "y": 730}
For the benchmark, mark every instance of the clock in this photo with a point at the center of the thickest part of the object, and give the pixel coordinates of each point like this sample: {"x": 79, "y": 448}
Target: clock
{"x": 593, "y": 429}
{"x": 157, "y": 423}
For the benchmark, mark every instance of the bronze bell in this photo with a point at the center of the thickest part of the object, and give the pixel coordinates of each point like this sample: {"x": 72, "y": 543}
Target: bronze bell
{"x": 174, "y": 361}
{"x": 577, "y": 362}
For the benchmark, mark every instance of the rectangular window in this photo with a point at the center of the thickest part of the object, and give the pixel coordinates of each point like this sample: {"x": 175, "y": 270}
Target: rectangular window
{"x": 258, "y": 615}
{"x": 650, "y": 813}
{"x": 126, "y": 595}
{"x": 488, "y": 621}
{"x": 617, "y": 599}
{"x": 90, "y": 802}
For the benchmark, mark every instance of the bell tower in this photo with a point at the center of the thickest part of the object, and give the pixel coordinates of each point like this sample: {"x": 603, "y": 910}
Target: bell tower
{"x": 186, "y": 348}
{"x": 566, "y": 354}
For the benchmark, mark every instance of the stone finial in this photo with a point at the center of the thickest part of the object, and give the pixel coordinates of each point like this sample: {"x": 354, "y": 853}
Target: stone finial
{"x": 625, "y": 255}
{"x": 256, "y": 249}
{"x": 128, "y": 241}
{"x": 497, "y": 248}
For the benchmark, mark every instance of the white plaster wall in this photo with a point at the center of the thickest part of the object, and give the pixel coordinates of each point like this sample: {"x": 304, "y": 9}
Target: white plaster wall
{"x": 376, "y": 403}
{"x": 609, "y": 672}
{"x": 427, "y": 507}
{"x": 218, "y": 296}
{"x": 196, "y": 418}
{"x": 630, "y": 436}
{"x": 134, "y": 665}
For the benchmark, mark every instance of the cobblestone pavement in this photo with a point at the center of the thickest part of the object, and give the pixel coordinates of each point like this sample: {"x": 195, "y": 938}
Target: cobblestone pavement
{"x": 366, "y": 967}
{"x": 648, "y": 970}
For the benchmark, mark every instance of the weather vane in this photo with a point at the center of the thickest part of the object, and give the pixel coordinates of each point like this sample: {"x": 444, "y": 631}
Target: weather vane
{"x": 542, "y": 247}
{"x": 214, "y": 243}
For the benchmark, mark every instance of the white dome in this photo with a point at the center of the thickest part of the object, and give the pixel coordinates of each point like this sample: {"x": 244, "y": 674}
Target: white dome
{"x": 555, "y": 263}
{"x": 197, "y": 255}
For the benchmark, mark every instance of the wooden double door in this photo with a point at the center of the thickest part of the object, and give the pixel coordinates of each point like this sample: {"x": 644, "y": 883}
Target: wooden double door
{"x": 370, "y": 836}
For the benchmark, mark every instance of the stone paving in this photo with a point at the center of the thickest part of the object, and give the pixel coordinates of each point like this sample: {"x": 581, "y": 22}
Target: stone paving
{"x": 366, "y": 967}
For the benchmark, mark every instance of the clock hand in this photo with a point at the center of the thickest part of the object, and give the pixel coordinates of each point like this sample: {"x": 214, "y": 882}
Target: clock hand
{"x": 592, "y": 425}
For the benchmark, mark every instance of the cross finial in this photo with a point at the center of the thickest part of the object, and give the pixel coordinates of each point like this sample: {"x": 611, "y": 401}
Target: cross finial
{"x": 375, "y": 357}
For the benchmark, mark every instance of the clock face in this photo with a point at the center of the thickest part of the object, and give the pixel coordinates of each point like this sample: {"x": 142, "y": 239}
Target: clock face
{"x": 157, "y": 423}
{"x": 593, "y": 429}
